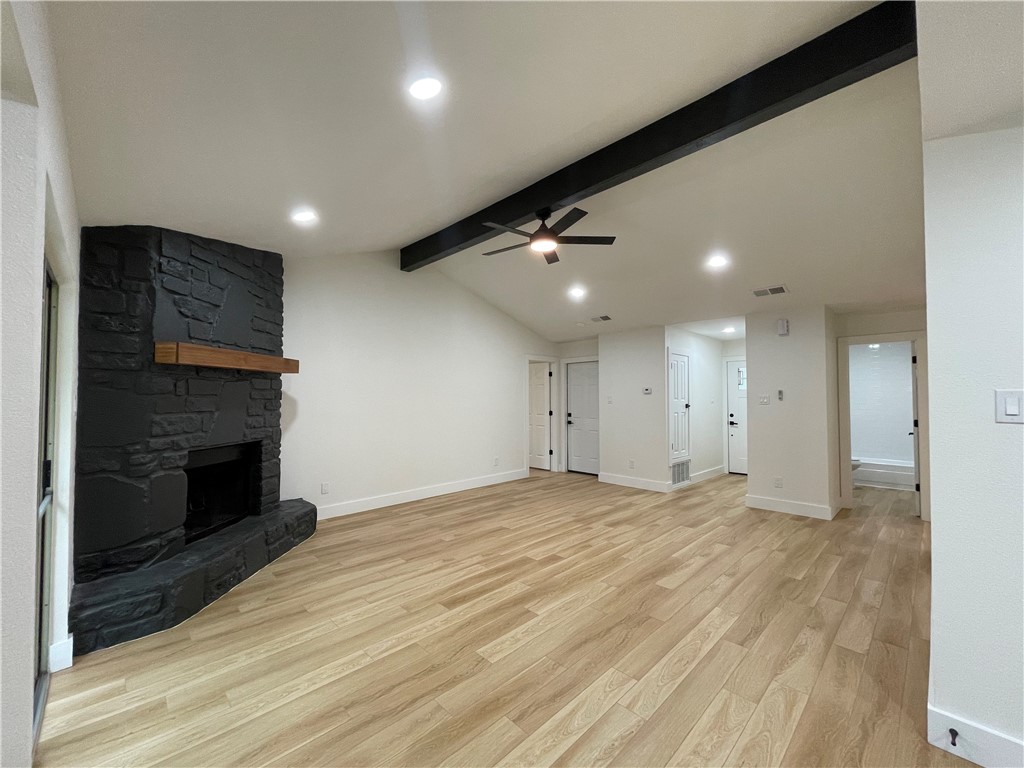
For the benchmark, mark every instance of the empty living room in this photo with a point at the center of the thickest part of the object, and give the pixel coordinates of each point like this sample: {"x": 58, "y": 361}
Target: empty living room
{"x": 477, "y": 383}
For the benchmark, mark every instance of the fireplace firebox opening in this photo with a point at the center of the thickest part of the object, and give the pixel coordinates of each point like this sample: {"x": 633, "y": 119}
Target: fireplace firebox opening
{"x": 223, "y": 487}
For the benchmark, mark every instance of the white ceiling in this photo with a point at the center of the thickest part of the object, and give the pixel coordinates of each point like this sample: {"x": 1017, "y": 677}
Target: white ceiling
{"x": 217, "y": 118}
{"x": 716, "y": 328}
{"x": 971, "y": 87}
{"x": 826, "y": 199}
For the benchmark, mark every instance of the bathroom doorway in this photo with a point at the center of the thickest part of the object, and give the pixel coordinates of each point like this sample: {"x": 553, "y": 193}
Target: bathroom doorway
{"x": 881, "y": 405}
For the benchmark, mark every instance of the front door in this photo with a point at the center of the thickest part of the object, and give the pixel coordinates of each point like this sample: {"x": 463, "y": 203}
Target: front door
{"x": 540, "y": 415}
{"x": 582, "y": 418}
{"x": 736, "y": 373}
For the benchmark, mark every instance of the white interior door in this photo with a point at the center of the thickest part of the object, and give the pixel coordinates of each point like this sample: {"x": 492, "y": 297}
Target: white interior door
{"x": 582, "y": 418}
{"x": 736, "y": 372}
{"x": 540, "y": 415}
{"x": 678, "y": 407}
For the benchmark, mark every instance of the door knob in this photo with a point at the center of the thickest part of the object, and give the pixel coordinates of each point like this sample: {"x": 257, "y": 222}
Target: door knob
{"x": 734, "y": 424}
{"x": 568, "y": 422}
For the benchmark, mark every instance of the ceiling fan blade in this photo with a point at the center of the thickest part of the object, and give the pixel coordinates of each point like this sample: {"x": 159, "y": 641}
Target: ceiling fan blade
{"x": 585, "y": 240}
{"x": 551, "y": 257}
{"x": 568, "y": 220}
{"x": 510, "y": 248}
{"x": 503, "y": 228}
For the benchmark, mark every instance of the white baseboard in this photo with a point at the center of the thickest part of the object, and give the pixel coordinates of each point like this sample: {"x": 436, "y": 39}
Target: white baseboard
{"x": 661, "y": 486}
{"x": 60, "y": 654}
{"x": 819, "y": 511}
{"x": 974, "y": 742}
{"x": 707, "y": 474}
{"x": 416, "y": 494}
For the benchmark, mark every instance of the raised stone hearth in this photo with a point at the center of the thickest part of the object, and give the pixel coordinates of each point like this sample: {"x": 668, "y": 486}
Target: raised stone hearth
{"x": 178, "y": 466}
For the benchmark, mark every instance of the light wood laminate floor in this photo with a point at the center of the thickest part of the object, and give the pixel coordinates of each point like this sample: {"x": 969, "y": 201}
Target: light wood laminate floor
{"x": 549, "y": 621}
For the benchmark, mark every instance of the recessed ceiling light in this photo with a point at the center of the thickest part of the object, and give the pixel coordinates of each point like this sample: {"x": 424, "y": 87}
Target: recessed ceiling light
{"x": 305, "y": 216}
{"x": 717, "y": 260}
{"x": 730, "y": 329}
{"x": 577, "y": 292}
{"x": 425, "y": 88}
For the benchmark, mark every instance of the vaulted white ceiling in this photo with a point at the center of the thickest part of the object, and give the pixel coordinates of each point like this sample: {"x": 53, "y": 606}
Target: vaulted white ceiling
{"x": 218, "y": 118}
{"x": 826, "y": 200}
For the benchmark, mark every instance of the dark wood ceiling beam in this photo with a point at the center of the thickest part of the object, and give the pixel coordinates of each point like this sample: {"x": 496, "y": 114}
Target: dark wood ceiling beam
{"x": 877, "y": 39}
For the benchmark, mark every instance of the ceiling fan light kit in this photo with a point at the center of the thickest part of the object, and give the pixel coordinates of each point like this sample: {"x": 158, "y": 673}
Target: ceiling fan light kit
{"x": 547, "y": 239}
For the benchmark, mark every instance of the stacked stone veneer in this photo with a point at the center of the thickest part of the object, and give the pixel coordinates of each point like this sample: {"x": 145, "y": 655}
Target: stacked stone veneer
{"x": 138, "y": 420}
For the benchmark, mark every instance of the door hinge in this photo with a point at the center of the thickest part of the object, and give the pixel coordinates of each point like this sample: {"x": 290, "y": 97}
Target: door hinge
{"x": 552, "y": 413}
{"x": 551, "y": 373}
{"x": 47, "y": 474}
{"x": 917, "y": 487}
{"x": 551, "y": 452}
{"x": 915, "y": 423}
{"x": 913, "y": 359}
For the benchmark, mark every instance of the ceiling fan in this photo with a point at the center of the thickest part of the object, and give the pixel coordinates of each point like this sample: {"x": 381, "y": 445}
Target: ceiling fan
{"x": 546, "y": 239}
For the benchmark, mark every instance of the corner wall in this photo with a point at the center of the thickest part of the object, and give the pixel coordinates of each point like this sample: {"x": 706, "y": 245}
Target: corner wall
{"x": 792, "y": 441}
{"x": 634, "y": 426}
{"x": 974, "y": 230}
{"x": 410, "y": 385}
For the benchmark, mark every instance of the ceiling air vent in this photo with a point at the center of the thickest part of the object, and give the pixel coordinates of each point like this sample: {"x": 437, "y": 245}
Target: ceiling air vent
{"x": 600, "y": 319}
{"x": 773, "y": 290}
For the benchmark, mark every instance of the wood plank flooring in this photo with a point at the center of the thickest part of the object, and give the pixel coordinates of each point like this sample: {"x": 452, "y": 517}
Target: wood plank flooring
{"x": 550, "y": 621}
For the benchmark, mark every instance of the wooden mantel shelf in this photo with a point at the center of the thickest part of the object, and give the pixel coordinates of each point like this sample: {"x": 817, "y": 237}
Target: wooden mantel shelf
{"x": 181, "y": 353}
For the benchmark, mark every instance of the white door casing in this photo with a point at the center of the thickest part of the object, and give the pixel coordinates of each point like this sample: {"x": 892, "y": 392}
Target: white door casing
{"x": 736, "y": 410}
{"x": 582, "y": 418}
{"x": 678, "y": 407}
{"x": 540, "y": 415}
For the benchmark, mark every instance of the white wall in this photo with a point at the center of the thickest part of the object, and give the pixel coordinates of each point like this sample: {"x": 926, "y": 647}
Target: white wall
{"x": 793, "y": 440}
{"x": 881, "y": 403}
{"x": 581, "y": 348}
{"x": 871, "y": 323}
{"x": 634, "y": 426}
{"x": 38, "y": 213}
{"x": 734, "y": 348}
{"x": 974, "y": 230}
{"x": 410, "y": 386}
{"x": 707, "y": 409}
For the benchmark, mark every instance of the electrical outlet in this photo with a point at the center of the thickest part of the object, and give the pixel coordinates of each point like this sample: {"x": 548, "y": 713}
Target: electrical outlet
{"x": 632, "y": 464}
{"x": 778, "y": 482}
{"x": 325, "y": 488}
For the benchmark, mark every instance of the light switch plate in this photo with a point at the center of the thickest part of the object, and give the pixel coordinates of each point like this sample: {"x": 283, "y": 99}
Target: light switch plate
{"x": 1010, "y": 406}
{"x": 765, "y": 399}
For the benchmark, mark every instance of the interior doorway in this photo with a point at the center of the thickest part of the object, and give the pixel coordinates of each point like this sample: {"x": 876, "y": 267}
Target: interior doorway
{"x": 736, "y": 408}
{"x": 582, "y": 418}
{"x": 540, "y": 416}
{"x": 883, "y": 415}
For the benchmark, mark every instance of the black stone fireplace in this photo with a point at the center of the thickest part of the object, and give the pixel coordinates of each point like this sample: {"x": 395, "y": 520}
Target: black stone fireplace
{"x": 178, "y": 466}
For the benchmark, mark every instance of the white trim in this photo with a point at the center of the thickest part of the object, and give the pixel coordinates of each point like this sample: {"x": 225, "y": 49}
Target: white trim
{"x": 700, "y": 477}
{"x": 60, "y": 654}
{"x": 975, "y": 742}
{"x": 819, "y": 511}
{"x": 416, "y": 494}
{"x": 661, "y": 486}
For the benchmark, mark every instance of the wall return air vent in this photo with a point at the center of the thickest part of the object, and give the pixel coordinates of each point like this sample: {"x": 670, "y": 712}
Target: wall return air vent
{"x": 773, "y": 290}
